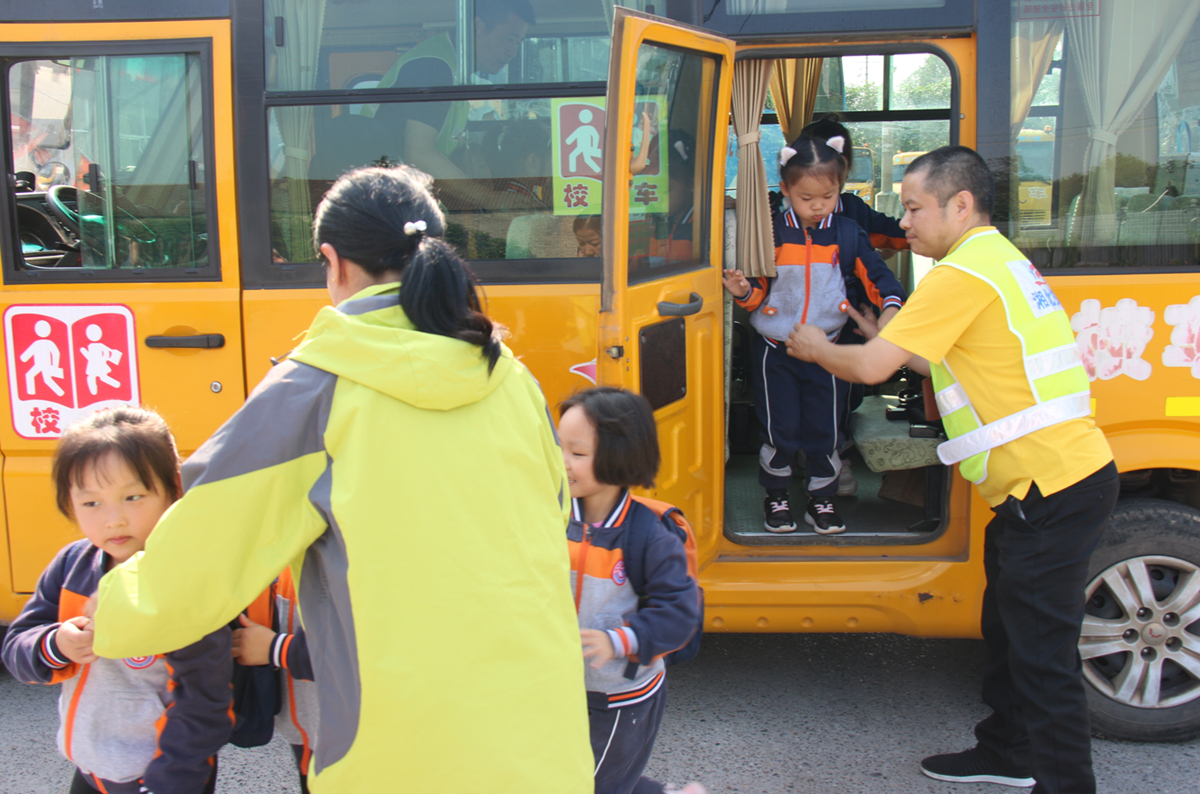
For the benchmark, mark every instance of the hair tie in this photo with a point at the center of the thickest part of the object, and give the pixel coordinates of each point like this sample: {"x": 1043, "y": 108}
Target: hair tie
{"x": 785, "y": 154}
{"x": 414, "y": 227}
{"x": 837, "y": 143}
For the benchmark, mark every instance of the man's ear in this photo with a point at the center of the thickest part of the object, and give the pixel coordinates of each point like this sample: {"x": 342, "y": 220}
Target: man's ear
{"x": 963, "y": 204}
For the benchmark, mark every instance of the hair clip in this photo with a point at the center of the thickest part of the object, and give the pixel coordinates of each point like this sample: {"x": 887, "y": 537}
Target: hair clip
{"x": 837, "y": 143}
{"x": 414, "y": 227}
{"x": 785, "y": 154}
{"x": 681, "y": 147}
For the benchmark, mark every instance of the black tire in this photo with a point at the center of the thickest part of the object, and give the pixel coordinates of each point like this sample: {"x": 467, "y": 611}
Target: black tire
{"x": 1156, "y": 543}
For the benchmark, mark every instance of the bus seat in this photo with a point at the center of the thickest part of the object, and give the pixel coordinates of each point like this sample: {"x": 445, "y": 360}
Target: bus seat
{"x": 541, "y": 236}
{"x": 1141, "y": 222}
{"x": 1180, "y": 221}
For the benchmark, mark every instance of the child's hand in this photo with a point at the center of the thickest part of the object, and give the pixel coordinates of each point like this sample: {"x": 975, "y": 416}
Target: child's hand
{"x": 74, "y": 640}
{"x": 597, "y": 647}
{"x": 735, "y": 281}
{"x": 868, "y": 326}
{"x": 252, "y": 642}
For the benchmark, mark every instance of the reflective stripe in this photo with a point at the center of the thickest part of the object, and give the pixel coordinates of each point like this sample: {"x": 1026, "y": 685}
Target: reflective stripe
{"x": 951, "y": 398}
{"x": 1014, "y": 426}
{"x": 1050, "y": 362}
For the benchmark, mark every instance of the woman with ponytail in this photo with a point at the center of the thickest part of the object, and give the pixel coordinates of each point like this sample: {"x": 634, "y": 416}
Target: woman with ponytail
{"x": 403, "y": 463}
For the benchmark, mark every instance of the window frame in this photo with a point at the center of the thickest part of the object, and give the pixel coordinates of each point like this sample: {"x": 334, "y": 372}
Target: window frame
{"x": 13, "y": 53}
{"x": 956, "y": 17}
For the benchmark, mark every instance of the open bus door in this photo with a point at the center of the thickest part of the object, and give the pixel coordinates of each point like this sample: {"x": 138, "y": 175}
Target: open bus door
{"x": 662, "y": 304}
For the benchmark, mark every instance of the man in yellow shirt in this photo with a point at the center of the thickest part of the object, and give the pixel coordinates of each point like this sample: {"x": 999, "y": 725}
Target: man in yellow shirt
{"x": 1016, "y": 404}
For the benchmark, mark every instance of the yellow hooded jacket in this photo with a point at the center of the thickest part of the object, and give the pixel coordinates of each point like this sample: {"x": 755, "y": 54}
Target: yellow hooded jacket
{"x": 421, "y": 504}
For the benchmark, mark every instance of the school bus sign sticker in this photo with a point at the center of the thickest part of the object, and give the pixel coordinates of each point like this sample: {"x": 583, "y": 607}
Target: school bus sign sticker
{"x": 65, "y": 362}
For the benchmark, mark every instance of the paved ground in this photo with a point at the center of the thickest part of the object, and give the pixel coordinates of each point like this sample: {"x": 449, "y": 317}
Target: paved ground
{"x": 753, "y": 714}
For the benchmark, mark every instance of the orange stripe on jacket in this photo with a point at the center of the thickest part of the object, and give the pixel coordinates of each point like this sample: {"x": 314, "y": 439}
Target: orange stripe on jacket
{"x": 600, "y": 562}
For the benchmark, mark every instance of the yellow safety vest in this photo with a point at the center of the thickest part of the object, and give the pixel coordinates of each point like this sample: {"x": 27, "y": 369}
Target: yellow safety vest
{"x": 439, "y": 48}
{"x": 1056, "y": 375}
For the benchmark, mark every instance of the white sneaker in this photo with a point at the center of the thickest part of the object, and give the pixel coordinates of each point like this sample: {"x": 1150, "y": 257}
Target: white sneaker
{"x": 847, "y": 485}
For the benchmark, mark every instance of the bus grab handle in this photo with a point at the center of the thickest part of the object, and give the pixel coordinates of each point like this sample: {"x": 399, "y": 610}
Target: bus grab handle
{"x": 669, "y": 309}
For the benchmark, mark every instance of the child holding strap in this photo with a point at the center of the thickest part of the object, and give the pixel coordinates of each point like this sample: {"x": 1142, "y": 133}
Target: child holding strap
{"x": 798, "y": 403}
{"x": 610, "y": 443}
{"x": 130, "y": 726}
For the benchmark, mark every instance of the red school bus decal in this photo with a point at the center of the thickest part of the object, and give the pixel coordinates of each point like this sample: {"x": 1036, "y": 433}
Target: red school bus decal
{"x": 65, "y": 362}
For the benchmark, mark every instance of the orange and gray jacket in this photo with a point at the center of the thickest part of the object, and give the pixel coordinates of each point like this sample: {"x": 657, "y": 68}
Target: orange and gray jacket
{"x": 298, "y": 713}
{"x": 419, "y": 501}
{"x": 150, "y": 723}
{"x": 812, "y": 274}
{"x": 641, "y": 629}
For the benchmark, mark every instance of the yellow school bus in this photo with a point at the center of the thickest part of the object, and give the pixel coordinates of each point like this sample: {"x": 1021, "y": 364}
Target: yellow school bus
{"x": 165, "y": 159}
{"x": 861, "y": 179}
{"x": 1035, "y": 164}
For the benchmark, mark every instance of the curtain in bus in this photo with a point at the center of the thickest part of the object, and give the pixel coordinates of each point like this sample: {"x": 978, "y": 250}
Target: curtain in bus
{"x": 755, "y": 244}
{"x": 1120, "y": 57}
{"x": 794, "y": 89}
{"x": 1032, "y": 51}
{"x": 296, "y": 70}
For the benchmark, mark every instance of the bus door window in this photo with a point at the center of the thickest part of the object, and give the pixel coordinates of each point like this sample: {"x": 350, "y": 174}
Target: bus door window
{"x": 115, "y": 146}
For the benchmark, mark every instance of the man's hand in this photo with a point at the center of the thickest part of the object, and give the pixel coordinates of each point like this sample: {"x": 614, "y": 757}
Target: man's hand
{"x": 74, "y": 640}
{"x": 735, "y": 281}
{"x": 252, "y": 642}
{"x": 868, "y": 326}
{"x": 804, "y": 341}
{"x": 597, "y": 647}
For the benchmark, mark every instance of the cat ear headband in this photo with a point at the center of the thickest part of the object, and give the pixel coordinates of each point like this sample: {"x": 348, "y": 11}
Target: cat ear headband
{"x": 837, "y": 143}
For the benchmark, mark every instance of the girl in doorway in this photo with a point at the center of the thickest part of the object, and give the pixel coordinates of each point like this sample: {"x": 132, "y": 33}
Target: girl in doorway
{"x": 797, "y": 402}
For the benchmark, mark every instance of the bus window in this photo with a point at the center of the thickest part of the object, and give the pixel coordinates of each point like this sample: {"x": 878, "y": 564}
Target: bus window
{"x": 113, "y": 147}
{"x": 1107, "y": 169}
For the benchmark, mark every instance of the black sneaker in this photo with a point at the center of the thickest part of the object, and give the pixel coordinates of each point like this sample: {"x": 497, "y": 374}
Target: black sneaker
{"x": 779, "y": 512}
{"x": 974, "y": 766}
{"x": 823, "y": 517}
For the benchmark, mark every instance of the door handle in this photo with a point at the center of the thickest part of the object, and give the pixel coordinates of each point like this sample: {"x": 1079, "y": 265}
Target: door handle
{"x": 669, "y": 309}
{"x": 199, "y": 340}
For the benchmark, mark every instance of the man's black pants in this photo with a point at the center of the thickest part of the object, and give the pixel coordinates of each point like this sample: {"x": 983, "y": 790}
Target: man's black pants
{"x": 1036, "y": 554}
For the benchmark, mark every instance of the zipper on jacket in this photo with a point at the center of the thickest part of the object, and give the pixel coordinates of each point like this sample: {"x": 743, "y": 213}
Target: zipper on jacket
{"x": 583, "y": 550}
{"x": 807, "y": 274}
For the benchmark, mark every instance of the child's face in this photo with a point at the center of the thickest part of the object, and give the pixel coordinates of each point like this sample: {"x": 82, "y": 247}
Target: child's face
{"x": 578, "y": 439}
{"x": 589, "y": 242}
{"x": 115, "y": 511}
{"x": 812, "y": 198}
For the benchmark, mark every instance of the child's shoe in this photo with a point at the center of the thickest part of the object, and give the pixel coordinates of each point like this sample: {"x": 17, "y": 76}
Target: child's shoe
{"x": 778, "y": 512}
{"x": 823, "y": 517}
{"x": 847, "y": 485}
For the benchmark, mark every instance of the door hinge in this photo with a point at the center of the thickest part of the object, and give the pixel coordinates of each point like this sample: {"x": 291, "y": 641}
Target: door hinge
{"x": 616, "y": 351}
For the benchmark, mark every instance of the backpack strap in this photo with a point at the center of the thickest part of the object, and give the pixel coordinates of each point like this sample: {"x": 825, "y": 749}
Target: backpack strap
{"x": 847, "y": 240}
{"x": 636, "y": 542}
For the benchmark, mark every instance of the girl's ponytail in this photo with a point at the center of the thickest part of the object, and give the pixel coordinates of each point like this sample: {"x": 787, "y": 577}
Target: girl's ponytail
{"x": 438, "y": 295}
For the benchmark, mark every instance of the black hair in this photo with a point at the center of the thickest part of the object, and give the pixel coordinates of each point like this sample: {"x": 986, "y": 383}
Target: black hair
{"x": 952, "y": 169}
{"x": 508, "y": 145}
{"x": 363, "y": 217}
{"x": 495, "y": 12}
{"x": 830, "y": 126}
{"x": 626, "y": 436}
{"x": 593, "y": 222}
{"x": 137, "y": 436}
{"x": 814, "y": 158}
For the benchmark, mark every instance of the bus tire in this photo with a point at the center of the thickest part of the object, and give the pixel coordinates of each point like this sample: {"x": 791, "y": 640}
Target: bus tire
{"x": 1142, "y": 620}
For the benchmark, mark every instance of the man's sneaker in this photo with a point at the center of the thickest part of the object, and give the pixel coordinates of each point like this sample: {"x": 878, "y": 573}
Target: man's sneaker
{"x": 974, "y": 766}
{"x": 847, "y": 485}
{"x": 823, "y": 517}
{"x": 779, "y": 513}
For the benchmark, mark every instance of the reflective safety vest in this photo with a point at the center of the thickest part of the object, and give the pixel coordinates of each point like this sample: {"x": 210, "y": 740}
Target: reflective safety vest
{"x": 440, "y": 48}
{"x": 1056, "y": 375}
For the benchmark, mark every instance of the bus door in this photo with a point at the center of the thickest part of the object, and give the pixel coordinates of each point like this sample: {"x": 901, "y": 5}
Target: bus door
{"x": 662, "y": 308}
{"x": 120, "y": 285}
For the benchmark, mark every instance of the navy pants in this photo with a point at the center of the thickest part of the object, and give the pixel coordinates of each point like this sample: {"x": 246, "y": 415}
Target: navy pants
{"x": 81, "y": 784}
{"x": 1035, "y": 557}
{"x": 622, "y": 740}
{"x": 799, "y": 406}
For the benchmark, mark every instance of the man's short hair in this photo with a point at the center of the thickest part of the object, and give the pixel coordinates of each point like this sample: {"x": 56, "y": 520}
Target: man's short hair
{"x": 495, "y": 12}
{"x": 953, "y": 169}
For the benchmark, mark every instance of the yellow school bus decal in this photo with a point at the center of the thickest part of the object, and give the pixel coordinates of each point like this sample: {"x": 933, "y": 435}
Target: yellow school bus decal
{"x": 67, "y": 361}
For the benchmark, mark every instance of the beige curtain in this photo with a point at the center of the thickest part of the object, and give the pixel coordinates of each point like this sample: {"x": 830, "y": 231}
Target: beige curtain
{"x": 296, "y": 70}
{"x": 1032, "y": 51}
{"x": 755, "y": 244}
{"x": 794, "y": 89}
{"x": 1119, "y": 57}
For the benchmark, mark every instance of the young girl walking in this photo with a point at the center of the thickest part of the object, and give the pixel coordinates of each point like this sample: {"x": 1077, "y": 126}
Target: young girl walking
{"x": 610, "y": 444}
{"x": 797, "y": 402}
{"x": 144, "y": 723}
